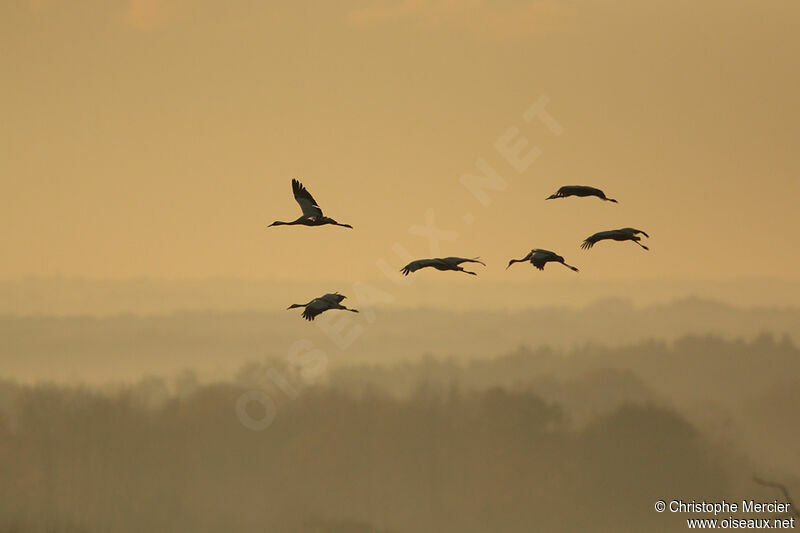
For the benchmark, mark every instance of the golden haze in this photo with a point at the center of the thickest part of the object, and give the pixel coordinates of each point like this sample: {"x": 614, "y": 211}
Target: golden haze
{"x": 157, "y": 138}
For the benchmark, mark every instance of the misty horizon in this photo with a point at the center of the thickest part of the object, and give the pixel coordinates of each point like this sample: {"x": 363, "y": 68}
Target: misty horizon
{"x": 65, "y": 296}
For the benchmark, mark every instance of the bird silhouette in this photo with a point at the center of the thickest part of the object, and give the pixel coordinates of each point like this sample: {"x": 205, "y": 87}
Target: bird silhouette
{"x": 623, "y": 234}
{"x": 580, "y": 190}
{"x": 332, "y": 300}
{"x": 441, "y": 263}
{"x": 539, "y": 258}
{"x": 312, "y": 214}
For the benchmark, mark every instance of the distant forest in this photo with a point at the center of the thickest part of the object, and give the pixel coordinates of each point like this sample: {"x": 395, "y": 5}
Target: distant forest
{"x": 535, "y": 439}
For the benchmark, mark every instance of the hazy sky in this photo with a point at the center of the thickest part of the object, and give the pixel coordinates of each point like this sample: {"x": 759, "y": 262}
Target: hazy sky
{"x": 158, "y": 137}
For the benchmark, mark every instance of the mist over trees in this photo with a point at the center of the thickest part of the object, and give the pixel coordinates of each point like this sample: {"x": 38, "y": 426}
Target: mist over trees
{"x": 125, "y": 347}
{"x": 544, "y": 439}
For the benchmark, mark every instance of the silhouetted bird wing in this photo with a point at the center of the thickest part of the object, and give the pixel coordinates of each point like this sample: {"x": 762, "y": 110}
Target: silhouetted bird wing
{"x": 563, "y": 192}
{"x": 631, "y": 231}
{"x": 413, "y": 266}
{"x": 541, "y": 257}
{"x": 315, "y": 307}
{"x": 334, "y": 297}
{"x": 458, "y": 260}
{"x": 306, "y": 201}
{"x": 579, "y": 190}
{"x": 568, "y": 190}
{"x": 599, "y": 236}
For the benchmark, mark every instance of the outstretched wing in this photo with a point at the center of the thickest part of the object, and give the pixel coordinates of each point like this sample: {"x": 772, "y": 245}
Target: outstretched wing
{"x": 458, "y": 260}
{"x": 569, "y": 190}
{"x": 541, "y": 257}
{"x": 334, "y": 297}
{"x": 317, "y": 306}
{"x": 413, "y": 266}
{"x": 306, "y": 201}
{"x": 562, "y": 192}
{"x": 633, "y": 231}
{"x": 592, "y": 239}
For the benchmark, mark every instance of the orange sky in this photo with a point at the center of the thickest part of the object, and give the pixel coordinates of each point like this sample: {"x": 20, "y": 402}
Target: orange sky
{"x": 157, "y": 138}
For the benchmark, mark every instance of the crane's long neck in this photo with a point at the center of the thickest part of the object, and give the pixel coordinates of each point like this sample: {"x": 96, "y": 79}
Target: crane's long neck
{"x": 280, "y": 223}
{"x": 517, "y": 261}
{"x": 293, "y": 306}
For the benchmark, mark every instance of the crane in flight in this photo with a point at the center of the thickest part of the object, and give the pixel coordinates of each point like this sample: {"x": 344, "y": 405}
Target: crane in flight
{"x": 539, "y": 258}
{"x": 312, "y": 214}
{"x": 623, "y": 234}
{"x": 580, "y": 190}
{"x": 441, "y": 263}
{"x": 332, "y": 300}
